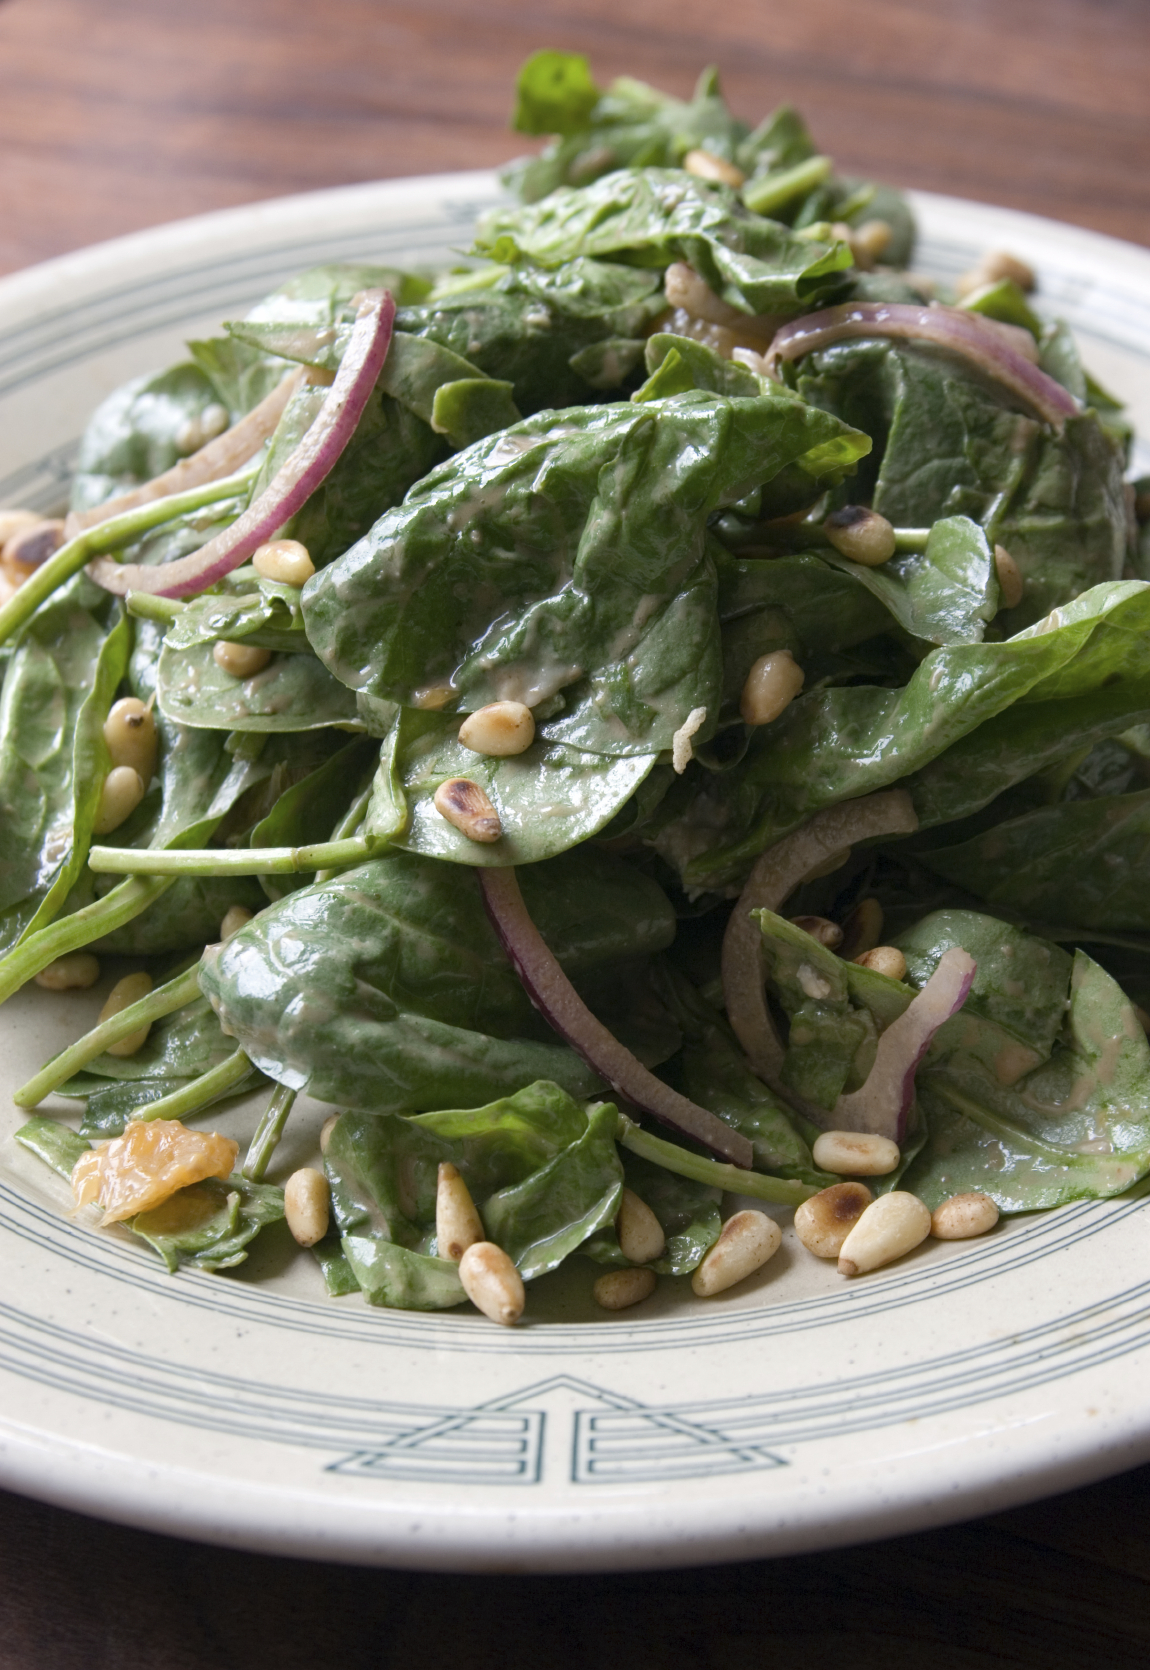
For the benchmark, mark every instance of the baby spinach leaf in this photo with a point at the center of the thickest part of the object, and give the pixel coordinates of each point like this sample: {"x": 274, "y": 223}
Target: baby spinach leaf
{"x": 309, "y": 810}
{"x": 292, "y": 693}
{"x": 141, "y": 430}
{"x": 209, "y": 1225}
{"x": 56, "y": 1144}
{"x": 554, "y": 93}
{"x": 688, "y": 1213}
{"x": 472, "y": 407}
{"x": 944, "y": 594}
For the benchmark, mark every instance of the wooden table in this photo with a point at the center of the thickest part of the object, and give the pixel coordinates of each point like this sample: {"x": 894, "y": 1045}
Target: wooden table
{"x": 116, "y": 114}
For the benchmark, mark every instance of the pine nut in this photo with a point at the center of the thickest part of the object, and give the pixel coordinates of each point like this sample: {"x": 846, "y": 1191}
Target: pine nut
{"x": 771, "y": 685}
{"x": 619, "y": 1289}
{"x": 991, "y": 268}
{"x": 240, "y": 660}
{"x": 705, "y": 165}
{"x": 235, "y": 918}
{"x": 869, "y": 242}
{"x": 687, "y": 291}
{"x": 325, "y": 1131}
{"x": 500, "y": 729}
{"x": 823, "y": 1222}
{"x": 16, "y": 522}
{"x": 855, "y": 1154}
{"x": 122, "y": 792}
{"x": 492, "y": 1282}
{"x": 827, "y": 933}
{"x": 130, "y": 732}
{"x": 285, "y": 560}
{"x": 123, "y": 994}
{"x": 307, "y": 1205}
{"x": 747, "y": 1241}
{"x": 891, "y": 1226}
{"x": 1010, "y": 583}
{"x": 640, "y": 1233}
{"x": 73, "y": 973}
{"x": 862, "y": 929}
{"x": 432, "y": 696}
{"x": 962, "y": 1217}
{"x": 883, "y": 959}
{"x": 464, "y": 804}
{"x": 457, "y": 1223}
{"x": 860, "y": 534}
{"x": 33, "y": 546}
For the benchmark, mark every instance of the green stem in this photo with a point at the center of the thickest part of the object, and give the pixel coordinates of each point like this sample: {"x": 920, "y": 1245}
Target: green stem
{"x": 109, "y": 536}
{"x": 268, "y": 1132}
{"x": 220, "y": 861}
{"x": 773, "y": 191}
{"x": 205, "y": 1089}
{"x": 733, "y": 1179}
{"x": 911, "y": 539}
{"x": 145, "y": 605}
{"x": 165, "y": 1000}
{"x": 72, "y": 933}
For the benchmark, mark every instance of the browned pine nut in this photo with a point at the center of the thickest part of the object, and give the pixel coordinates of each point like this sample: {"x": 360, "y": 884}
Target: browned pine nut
{"x": 122, "y": 792}
{"x": 883, "y": 959}
{"x": 823, "y": 1222}
{"x": 72, "y": 973}
{"x": 307, "y": 1205}
{"x": 619, "y": 1289}
{"x": 869, "y": 242}
{"x": 827, "y": 933}
{"x": 240, "y": 660}
{"x": 747, "y": 1240}
{"x": 705, "y": 165}
{"x": 235, "y": 918}
{"x": 500, "y": 729}
{"x": 457, "y": 1223}
{"x": 1010, "y": 584}
{"x": 771, "y": 685}
{"x": 962, "y": 1217}
{"x": 855, "y": 1153}
{"x": 123, "y": 994}
{"x": 991, "y": 268}
{"x": 15, "y": 522}
{"x": 860, "y": 534}
{"x": 492, "y": 1282}
{"x": 640, "y": 1233}
{"x": 130, "y": 733}
{"x": 464, "y": 804}
{"x": 891, "y": 1226}
{"x": 33, "y": 546}
{"x": 285, "y": 560}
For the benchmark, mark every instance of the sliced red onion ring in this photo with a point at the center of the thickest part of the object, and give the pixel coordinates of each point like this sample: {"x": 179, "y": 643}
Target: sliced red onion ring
{"x": 776, "y": 874}
{"x": 882, "y": 1104}
{"x": 556, "y": 998}
{"x": 952, "y": 328}
{"x": 303, "y": 472}
{"x": 219, "y": 458}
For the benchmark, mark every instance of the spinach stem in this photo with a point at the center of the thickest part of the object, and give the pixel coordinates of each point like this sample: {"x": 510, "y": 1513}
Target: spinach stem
{"x": 71, "y": 933}
{"x": 780, "y": 1190}
{"x": 108, "y": 536}
{"x": 163, "y": 1001}
{"x": 207, "y": 1088}
{"x": 145, "y": 605}
{"x": 220, "y": 861}
{"x": 268, "y": 1132}
{"x": 911, "y": 539}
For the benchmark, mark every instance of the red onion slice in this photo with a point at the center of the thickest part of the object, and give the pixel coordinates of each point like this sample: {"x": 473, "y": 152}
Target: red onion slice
{"x": 303, "y": 472}
{"x": 776, "y": 874}
{"x": 952, "y": 328}
{"x": 556, "y": 998}
{"x": 882, "y": 1104}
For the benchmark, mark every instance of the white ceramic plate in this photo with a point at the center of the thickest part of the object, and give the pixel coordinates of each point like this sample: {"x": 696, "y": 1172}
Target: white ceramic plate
{"x": 796, "y": 1412}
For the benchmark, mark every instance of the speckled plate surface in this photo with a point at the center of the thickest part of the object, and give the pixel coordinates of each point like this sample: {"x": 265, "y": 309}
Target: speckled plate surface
{"x": 796, "y": 1412}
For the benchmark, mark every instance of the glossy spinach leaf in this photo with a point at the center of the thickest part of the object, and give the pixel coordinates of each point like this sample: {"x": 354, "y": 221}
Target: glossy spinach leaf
{"x": 292, "y": 693}
{"x": 687, "y": 1211}
{"x": 945, "y": 594}
{"x": 309, "y": 810}
{"x": 210, "y": 1225}
{"x": 144, "y": 428}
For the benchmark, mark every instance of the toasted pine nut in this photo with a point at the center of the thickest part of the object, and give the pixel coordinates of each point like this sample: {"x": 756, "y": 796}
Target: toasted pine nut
{"x": 883, "y": 959}
{"x": 457, "y": 1223}
{"x": 823, "y": 1222}
{"x": 492, "y": 1282}
{"x": 869, "y": 242}
{"x": 705, "y": 165}
{"x": 34, "y": 545}
{"x": 235, "y": 918}
{"x": 1010, "y": 582}
{"x": 687, "y": 290}
{"x": 619, "y": 1289}
{"x": 855, "y": 1153}
{"x": 122, "y": 792}
{"x": 827, "y": 933}
{"x": 962, "y": 1217}
{"x": 640, "y": 1233}
{"x": 500, "y": 729}
{"x": 889, "y": 1227}
{"x": 130, "y": 732}
{"x": 464, "y": 804}
{"x": 307, "y": 1205}
{"x": 747, "y": 1241}
{"x": 995, "y": 265}
{"x": 72, "y": 973}
{"x": 862, "y": 929}
{"x": 860, "y": 534}
{"x": 432, "y": 696}
{"x": 16, "y": 522}
{"x": 285, "y": 560}
{"x": 771, "y": 685}
{"x": 123, "y": 994}
{"x": 240, "y": 660}
{"x": 325, "y": 1131}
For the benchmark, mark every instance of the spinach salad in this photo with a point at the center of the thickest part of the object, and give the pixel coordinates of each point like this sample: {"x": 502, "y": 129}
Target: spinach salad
{"x": 659, "y": 710}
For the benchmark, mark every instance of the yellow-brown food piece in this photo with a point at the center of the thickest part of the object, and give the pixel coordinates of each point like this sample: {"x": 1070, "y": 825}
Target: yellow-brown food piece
{"x": 147, "y": 1165}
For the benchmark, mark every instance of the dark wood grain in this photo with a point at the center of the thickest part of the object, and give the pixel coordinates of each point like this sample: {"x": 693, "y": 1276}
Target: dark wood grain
{"x": 117, "y": 114}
